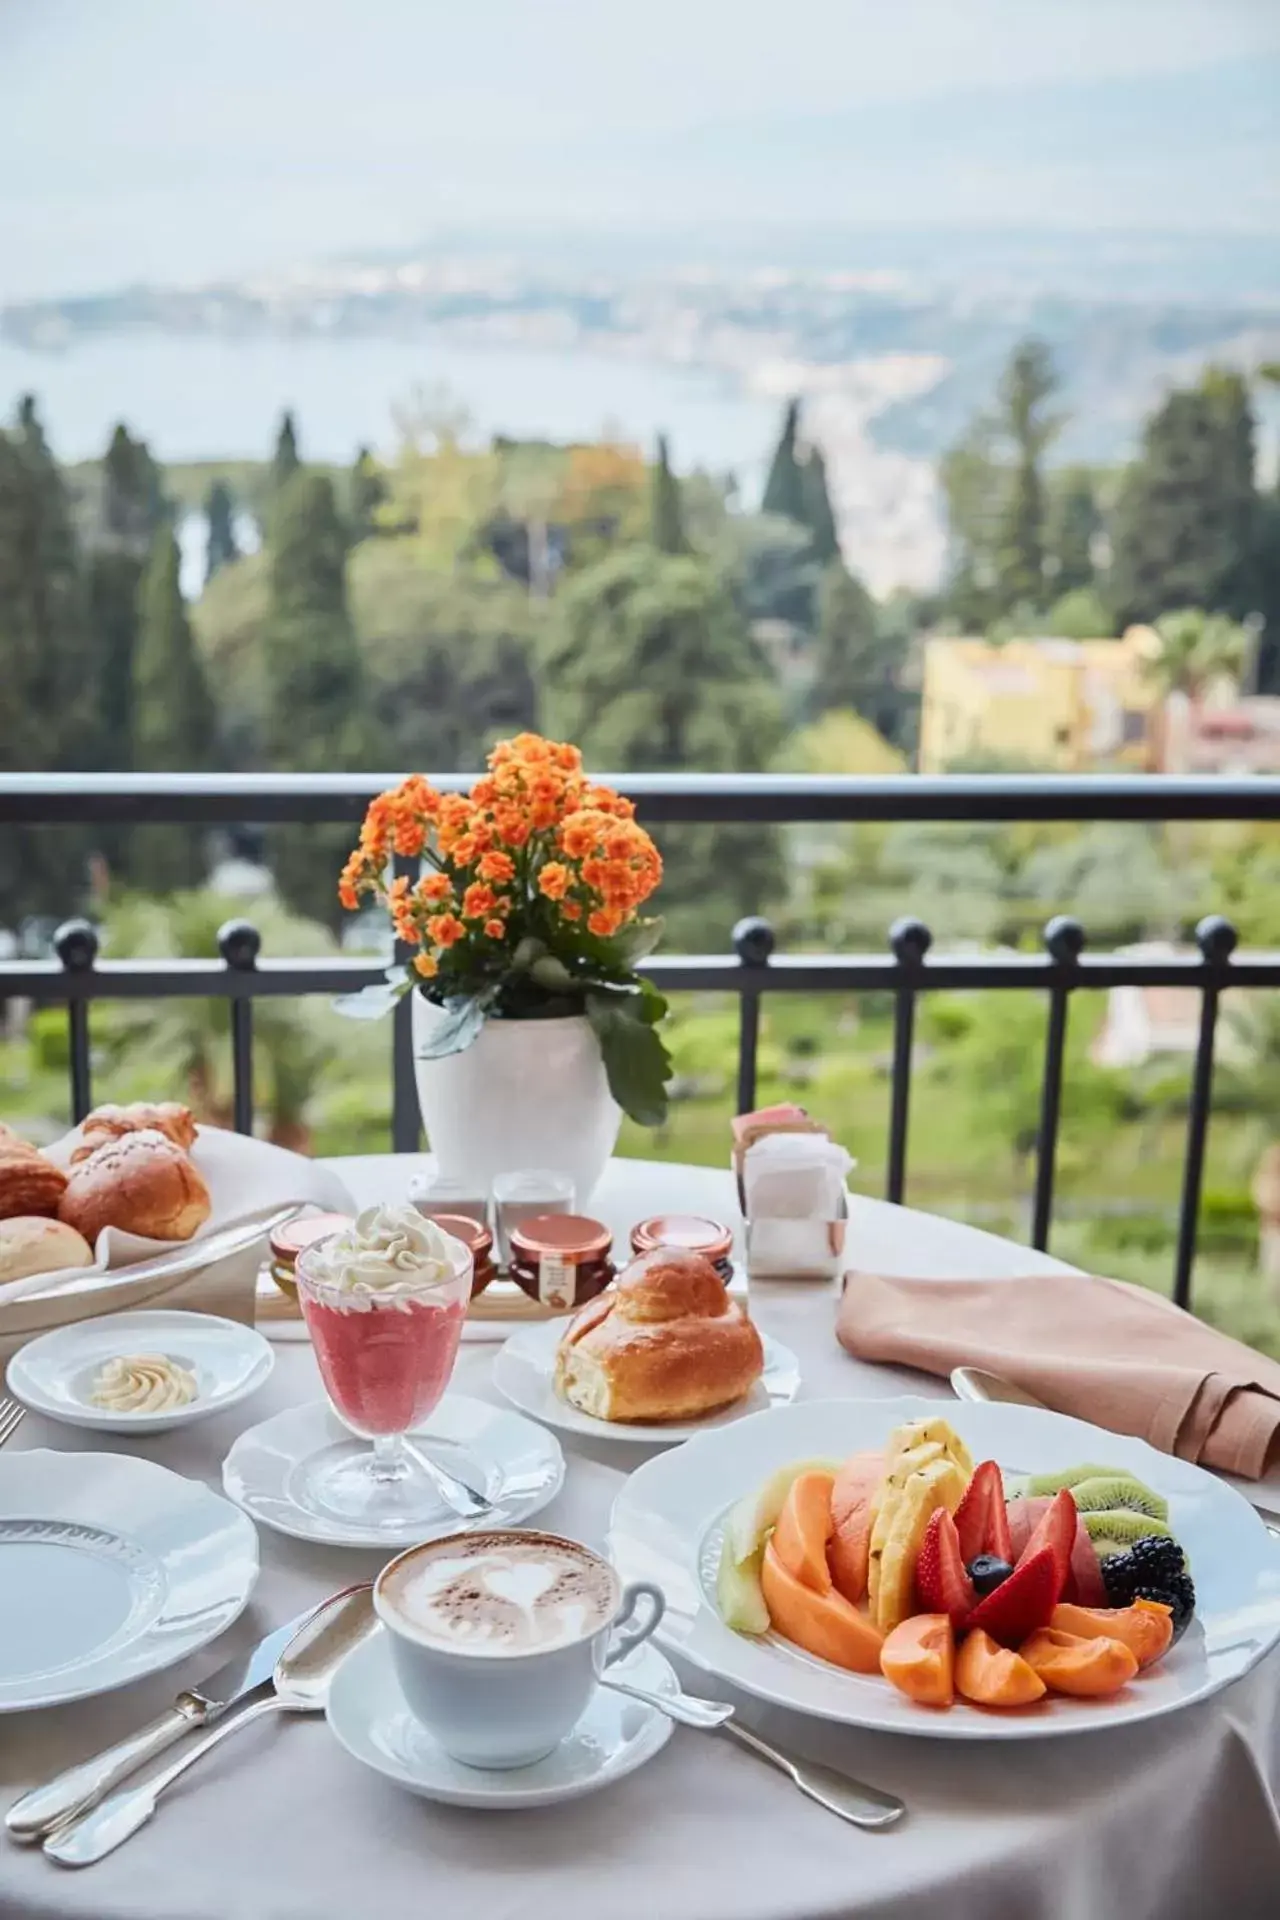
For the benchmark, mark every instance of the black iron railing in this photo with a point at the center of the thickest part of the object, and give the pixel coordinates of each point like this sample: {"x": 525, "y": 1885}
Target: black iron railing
{"x": 243, "y": 974}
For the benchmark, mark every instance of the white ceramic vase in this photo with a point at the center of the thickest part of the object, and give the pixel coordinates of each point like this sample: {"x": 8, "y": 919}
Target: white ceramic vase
{"x": 525, "y": 1093}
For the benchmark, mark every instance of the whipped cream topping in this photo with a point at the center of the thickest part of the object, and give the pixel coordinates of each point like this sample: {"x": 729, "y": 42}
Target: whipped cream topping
{"x": 388, "y": 1253}
{"x": 143, "y": 1383}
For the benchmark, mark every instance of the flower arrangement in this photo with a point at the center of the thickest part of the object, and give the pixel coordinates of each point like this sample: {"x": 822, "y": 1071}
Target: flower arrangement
{"x": 526, "y": 906}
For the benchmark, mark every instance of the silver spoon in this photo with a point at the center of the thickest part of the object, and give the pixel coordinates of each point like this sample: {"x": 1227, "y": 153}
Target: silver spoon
{"x": 300, "y": 1684}
{"x": 684, "y": 1708}
{"x": 456, "y": 1494}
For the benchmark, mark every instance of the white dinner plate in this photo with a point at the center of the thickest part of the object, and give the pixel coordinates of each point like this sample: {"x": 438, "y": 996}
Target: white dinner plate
{"x": 667, "y": 1525}
{"x": 525, "y": 1370}
{"x": 55, "y": 1373}
{"x": 368, "y": 1715}
{"x": 512, "y": 1461}
{"x": 110, "y": 1567}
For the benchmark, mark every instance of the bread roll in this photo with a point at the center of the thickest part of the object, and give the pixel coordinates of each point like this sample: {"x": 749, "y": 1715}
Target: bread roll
{"x": 28, "y": 1182}
{"x": 112, "y": 1123}
{"x": 140, "y": 1183}
{"x": 35, "y": 1245}
{"x": 666, "y": 1343}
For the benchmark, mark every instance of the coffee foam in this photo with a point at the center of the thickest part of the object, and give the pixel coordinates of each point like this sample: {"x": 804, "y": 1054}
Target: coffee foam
{"x": 502, "y": 1594}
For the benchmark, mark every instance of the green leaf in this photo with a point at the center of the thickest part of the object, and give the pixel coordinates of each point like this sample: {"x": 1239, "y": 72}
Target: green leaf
{"x": 459, "y": 1024}
{"x": 374, "y": 1003}
{"x": 637, "y": 942}
{"x": 636, "y": 1061}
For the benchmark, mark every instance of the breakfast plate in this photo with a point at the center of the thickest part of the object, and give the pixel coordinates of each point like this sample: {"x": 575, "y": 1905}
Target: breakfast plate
{"x": 524, "y": 1372}
{"x": 110, "y": 1568}
{"x": 668, "y": 1525}
{"x": 56, "y": 1373}
{"x": 369, "y": 1718}
{"x": 272, "y": 1469}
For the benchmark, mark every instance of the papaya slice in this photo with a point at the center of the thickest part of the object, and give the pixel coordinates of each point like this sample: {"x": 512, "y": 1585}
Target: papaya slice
{"x": 822, "y": 1623}
{"x": 803, "y": 1529}
{"x": 919, "y": 1657}
{"x": 1085, "y": 1669}
{"x": 993, "y": 1676}
{"x": 849, "y": 1548}
{"x": 1146, "y": 1627}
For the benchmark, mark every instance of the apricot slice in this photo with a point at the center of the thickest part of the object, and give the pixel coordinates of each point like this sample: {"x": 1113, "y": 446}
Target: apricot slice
{"x": 1083, "y": 1668}
{"x": 919, "y": 1656}
{"x": 822, "y": 1623}
{"x": 993, "y": 1676}
{"x": 849, "y": 1548}
{"x": 1146, "y": 1627}
{"x": 804, "y": 1528}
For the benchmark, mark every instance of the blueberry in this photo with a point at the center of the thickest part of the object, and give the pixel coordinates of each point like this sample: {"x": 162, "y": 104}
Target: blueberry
{"x": 988, "y": 1572}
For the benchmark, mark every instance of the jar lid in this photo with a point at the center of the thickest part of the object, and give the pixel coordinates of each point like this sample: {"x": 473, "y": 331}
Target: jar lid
{"x": 288, "y": 1241}
{"x": 461, "y": 1225}
{"x": 693, "y": 1231}
{"x": 572, "y": 1235}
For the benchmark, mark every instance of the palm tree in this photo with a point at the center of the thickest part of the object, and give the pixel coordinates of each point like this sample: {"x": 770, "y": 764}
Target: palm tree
{"x": 1196, "y": 650}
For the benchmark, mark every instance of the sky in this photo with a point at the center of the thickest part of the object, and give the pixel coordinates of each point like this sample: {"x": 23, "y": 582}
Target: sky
{"x": 180, "y": 140}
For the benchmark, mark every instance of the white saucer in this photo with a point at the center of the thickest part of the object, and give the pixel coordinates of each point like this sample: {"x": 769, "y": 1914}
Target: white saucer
{"x": 110, "y": 1567}
{"x": 524, "y": 1372}
{"x": 54, "y": 1373}
{"x": 614, "y": 1736}
{"x": 513, "y": 1462}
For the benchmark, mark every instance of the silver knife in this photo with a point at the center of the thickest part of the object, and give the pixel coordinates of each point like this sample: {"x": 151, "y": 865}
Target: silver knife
{"x": 974, "y": 1383}
{"x": 80, "y": 1787}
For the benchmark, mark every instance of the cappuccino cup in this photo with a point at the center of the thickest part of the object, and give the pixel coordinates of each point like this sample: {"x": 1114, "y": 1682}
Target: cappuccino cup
{"x": 497, "y": 1638}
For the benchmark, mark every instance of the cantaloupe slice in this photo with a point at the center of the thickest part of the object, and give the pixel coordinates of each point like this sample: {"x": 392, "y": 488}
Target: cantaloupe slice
{"x": 804, "y": 1528}
{"x": 1084, "y": 1668}
{"x": 992, "y": 1676}
{"x": 919, "y": 1658}
{"x": 849, "y": 1547}
{"x": 822, "y": 1623}
{"x": 1146, "y": 1627}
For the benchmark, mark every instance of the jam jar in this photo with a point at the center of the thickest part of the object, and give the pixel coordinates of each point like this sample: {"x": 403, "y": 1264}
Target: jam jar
{"x": 561, "y": 1259}
{"x": 288, "y": 1241}
{"x": 472, "y": 1235}
{"x": 690, "y": 1231}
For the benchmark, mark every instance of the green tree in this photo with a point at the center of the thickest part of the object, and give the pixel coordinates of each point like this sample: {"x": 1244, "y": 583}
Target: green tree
{"x": 851, "y": 668}
{"x": 1080, "y": 615}
{"x": 1028, "y": 384}
{"x": 1073, "y": 526}
{"x": 220, "y": 543}
{"x": 819, "y": 517}
{"x": 1196, "y": 649}
{"x": 132, "y": 508}
{"x": 1185, "y": 531}
{"x": 666, "y": 517}
{"x": 286, "y": 460}
{"x": 784, "y": 490}
{"x": 366, "y": 492}
{"x": 174, "y": 717}
{"x": 651, "y": 667}
{"x": 972, "y": 485}
{"x": 315, "y": 689}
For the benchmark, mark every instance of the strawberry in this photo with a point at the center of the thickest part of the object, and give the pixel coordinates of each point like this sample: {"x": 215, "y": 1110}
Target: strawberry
{"x": 1022, "y": 1604}
{"x": 1057, "y": 1532}
{"x": 982, "y": 1521}
{"x": 942, "y": 1585}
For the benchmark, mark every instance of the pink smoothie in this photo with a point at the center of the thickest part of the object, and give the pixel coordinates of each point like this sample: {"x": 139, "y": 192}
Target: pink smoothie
{"x": 385, "y": 1367}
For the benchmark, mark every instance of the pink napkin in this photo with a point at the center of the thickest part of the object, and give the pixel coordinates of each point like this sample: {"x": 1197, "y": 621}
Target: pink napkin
{"x": 1106, "y": 1352}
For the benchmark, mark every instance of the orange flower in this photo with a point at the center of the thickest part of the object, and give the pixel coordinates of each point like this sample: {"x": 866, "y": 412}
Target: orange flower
{"x": 446, "y": 929}
{"x": 570, "y": 910}
{"x": 426, "y": 965}
{"x": 497, "y": 866}
{"x": 553, "y": 881}
{"x": 463, "y": 851}
{"x": 495, "y": 929}
{"x": 604, "y": 921}
{"x": 477, "y": 901}
{"x": 398, "y": 890}
{"x": 434, "y": 887}
{"x": 347, "y": 895}
{"x": 578, "y": 835}
{"x": 511, "y": 826}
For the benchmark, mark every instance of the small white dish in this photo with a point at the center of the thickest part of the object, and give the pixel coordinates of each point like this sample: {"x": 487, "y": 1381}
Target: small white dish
{"x": 525, "y": 1374}
{"x": 513, "y": 1462}
{"x": 615, "y": 1735}
{"x": 55, "y": 1373}
{"x": 111, "y": 1567}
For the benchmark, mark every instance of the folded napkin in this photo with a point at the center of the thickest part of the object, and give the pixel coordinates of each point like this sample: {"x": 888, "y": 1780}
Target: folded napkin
{"x": 1101, "y": 1350}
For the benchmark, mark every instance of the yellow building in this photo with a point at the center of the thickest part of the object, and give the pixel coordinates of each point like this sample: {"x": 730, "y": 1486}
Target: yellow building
{"x": 1065, "y": 705}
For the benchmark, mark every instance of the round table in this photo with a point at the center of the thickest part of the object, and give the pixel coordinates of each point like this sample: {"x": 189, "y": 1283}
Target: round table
{"x": 1171, "y": 1819}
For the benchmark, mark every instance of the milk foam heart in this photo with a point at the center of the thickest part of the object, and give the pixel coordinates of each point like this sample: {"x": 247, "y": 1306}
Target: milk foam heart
{"x": 502, "y": 1593}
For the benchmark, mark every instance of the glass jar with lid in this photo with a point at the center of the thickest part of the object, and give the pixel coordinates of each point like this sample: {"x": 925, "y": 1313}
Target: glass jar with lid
{"x": 288, "y": 1241}
{"x": 693, "y": 1233}
{"x": 561, "y": 1259}
{"x": 473, "y": 1235}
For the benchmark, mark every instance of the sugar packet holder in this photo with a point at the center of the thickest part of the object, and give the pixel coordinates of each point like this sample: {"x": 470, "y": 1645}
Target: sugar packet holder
{"x": 795, "y": 1205}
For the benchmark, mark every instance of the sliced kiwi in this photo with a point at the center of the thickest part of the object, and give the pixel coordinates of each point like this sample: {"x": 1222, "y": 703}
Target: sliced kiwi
{"x": 1108, "y": 1491}
{"x": 1042, "y": 1483}
{"x": 1114, "y": 1529}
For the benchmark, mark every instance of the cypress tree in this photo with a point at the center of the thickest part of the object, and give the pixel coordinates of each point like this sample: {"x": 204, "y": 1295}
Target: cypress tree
{"x": 1074, "y": 524}
{"x": 784, "y": 490}
{"x": 666, "y": 516}
{"x": 819, "y": 516}
{"x": 366, "y": 492}
{"x": 174, "y": 718}
{"x": 132, "y": 507}
{"x": 220, "y": 540}
{"x": 285, "y": 461}
{"x": 850, "y": 664}
{"x": 1028, "y": 382}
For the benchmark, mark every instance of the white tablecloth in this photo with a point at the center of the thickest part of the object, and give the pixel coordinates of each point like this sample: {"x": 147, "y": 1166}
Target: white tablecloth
{"x": 1169, "y": 1820}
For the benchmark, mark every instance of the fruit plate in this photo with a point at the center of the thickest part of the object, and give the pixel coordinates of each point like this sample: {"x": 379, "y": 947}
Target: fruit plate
{"x": 668, "y": 1523}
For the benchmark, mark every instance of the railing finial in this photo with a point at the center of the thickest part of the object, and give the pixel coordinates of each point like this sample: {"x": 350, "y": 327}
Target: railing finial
{"x": 1217, "y": 939}
{"x": 753, "y": 941}
{"x": 76, "y": 945}
{"x": 1064, "y": 939}
{"x": 239, "y": 943}
{"x": 909, "y": 940}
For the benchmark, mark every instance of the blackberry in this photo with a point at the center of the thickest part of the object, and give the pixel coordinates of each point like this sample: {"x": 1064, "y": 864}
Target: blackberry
{"x": 1178, "y": 1593}
{"x": 987, "y": 1573}
{"x": 1156, "y": 1561}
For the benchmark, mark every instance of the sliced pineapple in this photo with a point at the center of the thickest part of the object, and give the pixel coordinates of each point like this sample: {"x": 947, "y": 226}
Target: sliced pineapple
{"x": 941, "y": 1483}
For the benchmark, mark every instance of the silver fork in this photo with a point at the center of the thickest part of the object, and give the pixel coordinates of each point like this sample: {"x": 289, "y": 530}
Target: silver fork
{"x": 10, "y": 1417}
